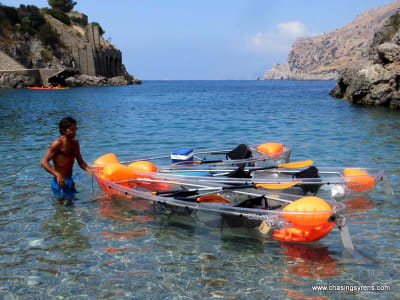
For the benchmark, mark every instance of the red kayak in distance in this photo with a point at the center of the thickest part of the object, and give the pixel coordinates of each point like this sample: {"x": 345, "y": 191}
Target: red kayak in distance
{"x": 46, "y": 88}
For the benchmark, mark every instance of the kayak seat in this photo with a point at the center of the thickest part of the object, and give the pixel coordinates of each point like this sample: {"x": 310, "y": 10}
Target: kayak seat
{"x": 242, "y": 151}
{"x": 312, "y": 173}
{"x": 257, "y": 203}
{"x": 239, "y": 173}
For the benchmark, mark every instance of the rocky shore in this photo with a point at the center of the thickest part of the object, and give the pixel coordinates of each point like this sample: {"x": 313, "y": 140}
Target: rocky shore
{"x": 50, "y": 46}
{"x": 375, "y": 80}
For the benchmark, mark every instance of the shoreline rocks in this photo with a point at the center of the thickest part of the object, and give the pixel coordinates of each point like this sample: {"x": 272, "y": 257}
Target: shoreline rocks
{"x": 376, "y": 79}
{"x": 87, "y": 80}
{"x": 15, "y": 81}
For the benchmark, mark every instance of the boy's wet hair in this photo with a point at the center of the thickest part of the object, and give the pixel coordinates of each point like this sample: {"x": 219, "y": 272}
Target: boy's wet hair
{"x": 65, "y": 124}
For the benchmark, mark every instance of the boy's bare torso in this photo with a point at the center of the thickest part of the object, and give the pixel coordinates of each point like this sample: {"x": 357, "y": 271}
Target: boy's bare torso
{"x": 65, "y": 155}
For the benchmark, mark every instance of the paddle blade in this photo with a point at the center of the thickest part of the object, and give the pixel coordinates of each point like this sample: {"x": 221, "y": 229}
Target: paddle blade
{"x": 277, "y": 186}
{"x": 297, "y": 164}
{"x": 185, "y": 162}
{"x": 213, "y": 198}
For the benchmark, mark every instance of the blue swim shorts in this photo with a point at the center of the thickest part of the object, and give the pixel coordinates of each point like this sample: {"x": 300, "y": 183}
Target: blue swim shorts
{"x": 68, "y": 191}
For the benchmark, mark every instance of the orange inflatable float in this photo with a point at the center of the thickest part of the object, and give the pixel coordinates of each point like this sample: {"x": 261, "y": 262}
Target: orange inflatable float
{"x": 316, "y": 211}
{"x": 272, "y": 149}
{"x": 309, "y": 221}
{"x": 143, "y": 166}
{"x": 118, "y": 172}
{"x": 148, "y": 167}
{"x": 105, "y": 160}
{"x": 358, "y": 180}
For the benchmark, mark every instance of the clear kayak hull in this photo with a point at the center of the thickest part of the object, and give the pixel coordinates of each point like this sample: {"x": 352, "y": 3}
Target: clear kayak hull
{"x": 325, "y": 181}
{"x": 254, "y": 157}
{"x": 210, "y": 204}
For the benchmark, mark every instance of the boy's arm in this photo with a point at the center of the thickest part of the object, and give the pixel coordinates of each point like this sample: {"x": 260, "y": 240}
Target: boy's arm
{"x": 53, "y": 149}
{"x": 81, "y": 162}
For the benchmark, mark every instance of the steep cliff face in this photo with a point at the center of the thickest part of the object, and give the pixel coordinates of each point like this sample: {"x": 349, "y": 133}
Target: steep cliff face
{"x": 34, "y": 39}
{"x": 323, "y": 57}
{"x": 376, "y": 79}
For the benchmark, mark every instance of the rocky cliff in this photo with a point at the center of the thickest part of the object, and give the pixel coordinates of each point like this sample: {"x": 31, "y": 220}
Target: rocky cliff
{"x": 375, "y": 79}
{"x": 32, "y": 38}
{"x": 323, "y": 57}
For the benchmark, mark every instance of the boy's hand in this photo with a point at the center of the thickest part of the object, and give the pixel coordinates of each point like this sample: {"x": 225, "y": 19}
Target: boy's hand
{"x": 90, "y": 171}
{"x": 60, "y": 180}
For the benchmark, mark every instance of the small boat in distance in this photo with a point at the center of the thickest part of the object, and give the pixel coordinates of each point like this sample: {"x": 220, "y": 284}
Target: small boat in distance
{"x": 47, "y": 88}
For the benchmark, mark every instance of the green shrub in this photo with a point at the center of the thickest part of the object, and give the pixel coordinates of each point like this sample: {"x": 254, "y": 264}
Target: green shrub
{"x": 394, "y": 21}
{"x": 98, "y": 25}
{"x": 10, "y": 14}
{"x": 79, "y": 21}
{"x": 389, "y": 30}
{"x": 59, "y": 15}
{"x": 31, "y": 18}
{"x": 48, "y": 36}
{"x": 64, "y": 5}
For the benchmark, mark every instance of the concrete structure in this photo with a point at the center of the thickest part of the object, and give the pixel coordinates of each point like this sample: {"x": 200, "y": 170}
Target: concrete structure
{"x": 40, "y": 76}
{"x": 9, "y": 63}
{"x": 92, "y": 54}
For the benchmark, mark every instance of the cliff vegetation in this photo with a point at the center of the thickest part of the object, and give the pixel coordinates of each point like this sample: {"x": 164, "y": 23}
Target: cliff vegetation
{"x": 60, "y": 39}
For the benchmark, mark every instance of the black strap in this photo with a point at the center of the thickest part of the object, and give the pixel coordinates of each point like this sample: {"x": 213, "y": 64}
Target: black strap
{"x": 313, "y": 174}
{"x": 239, "y": 173}
{"x": 242, "y": 151}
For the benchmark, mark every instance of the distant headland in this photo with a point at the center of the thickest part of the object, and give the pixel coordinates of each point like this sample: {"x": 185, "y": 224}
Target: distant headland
{"x": 324, "y": 56}
{"x": 56, "y": 46}
{"x": 364, "y": 56}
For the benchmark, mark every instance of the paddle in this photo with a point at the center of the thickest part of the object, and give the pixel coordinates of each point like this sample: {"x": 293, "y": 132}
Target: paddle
{"x": 271, "y": 186}
{"x": 209, "y": 198}
{"x": 292, "y": 165}
{"x": 199, "y": 162}
{"x": 213, "y": 198}
{"x": 249, "y": 203}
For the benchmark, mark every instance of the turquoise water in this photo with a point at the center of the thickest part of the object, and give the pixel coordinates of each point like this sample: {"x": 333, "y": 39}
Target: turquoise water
{"x": 105, "y": 248}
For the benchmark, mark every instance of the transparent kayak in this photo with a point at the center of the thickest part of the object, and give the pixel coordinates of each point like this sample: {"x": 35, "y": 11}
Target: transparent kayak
{"x": 242, "y": 155}
{"x": 294, "y": 177}
{"x": 284, "y": 217}
{"x": 324, "y": 181}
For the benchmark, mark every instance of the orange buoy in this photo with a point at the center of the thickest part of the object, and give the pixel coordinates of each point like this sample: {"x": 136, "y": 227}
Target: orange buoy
{"x": 273, "y": 149}
{"x": 143, "y": 166}
{"x": 105, "y": 160}
{"x": 358, "y": 180}
{"x": 309, "y": 220}
{"x": 118, "y": 172}
{"x": 303, "y": 234}
{"x": 316, "y": 211}
{"x": 149, "y": 182}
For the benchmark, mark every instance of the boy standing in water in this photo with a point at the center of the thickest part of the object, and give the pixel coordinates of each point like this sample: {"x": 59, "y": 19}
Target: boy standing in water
{"x": 63, "y": 151}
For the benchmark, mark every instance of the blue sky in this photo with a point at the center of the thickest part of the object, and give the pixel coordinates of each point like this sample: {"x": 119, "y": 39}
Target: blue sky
{"x": 219, "y": 39}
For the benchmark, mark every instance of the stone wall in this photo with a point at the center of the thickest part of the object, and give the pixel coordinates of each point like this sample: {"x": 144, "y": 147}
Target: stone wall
{"x": 92, "y": 55}
{"x": 9, "y": 63}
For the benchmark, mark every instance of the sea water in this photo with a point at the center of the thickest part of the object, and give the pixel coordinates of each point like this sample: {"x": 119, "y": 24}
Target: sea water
{"x": 102, "y": 248}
